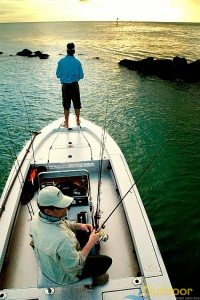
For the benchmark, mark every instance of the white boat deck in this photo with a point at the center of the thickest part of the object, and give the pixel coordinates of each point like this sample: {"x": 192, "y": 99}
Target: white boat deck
{"x": 21, "y": 270}
{"x": 129, "y": 230}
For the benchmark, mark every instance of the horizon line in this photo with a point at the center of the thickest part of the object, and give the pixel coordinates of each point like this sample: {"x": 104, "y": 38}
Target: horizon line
{"x": 114, "y": 21}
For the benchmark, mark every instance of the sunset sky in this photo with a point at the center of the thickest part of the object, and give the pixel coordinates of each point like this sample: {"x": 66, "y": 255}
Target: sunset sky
{"x": 78, "y": 10}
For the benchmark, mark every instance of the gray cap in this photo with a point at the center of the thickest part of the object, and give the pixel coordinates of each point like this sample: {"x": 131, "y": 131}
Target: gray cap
{"x": 52, "y": 196}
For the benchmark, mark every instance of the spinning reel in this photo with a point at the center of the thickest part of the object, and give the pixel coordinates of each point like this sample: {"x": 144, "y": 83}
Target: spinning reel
{"x": 103, "y": 237}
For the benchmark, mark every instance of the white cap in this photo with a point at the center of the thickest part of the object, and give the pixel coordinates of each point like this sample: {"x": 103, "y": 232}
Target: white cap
{"x": 52, "y": 196}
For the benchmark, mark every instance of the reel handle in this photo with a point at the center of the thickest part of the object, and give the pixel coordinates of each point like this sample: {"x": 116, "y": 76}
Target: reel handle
{"x": 103, "y": 237}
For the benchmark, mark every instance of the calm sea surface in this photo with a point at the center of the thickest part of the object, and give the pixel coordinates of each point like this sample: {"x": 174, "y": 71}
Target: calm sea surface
{"x": 142, "y": 113}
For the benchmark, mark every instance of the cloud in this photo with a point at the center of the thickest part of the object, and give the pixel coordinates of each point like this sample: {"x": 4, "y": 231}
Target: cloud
{"x": 133, "y": 10}
{"x": 11, "y": 10}
{"x": 189, "y": 9}
{"x": 196, "y": 2}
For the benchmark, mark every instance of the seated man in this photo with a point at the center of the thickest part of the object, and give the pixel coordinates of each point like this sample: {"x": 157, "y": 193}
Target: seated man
{"x": 57, "y": 249}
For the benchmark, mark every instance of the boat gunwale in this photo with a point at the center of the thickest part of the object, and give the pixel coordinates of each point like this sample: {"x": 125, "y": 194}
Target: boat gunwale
{"x": 113, "y": 150}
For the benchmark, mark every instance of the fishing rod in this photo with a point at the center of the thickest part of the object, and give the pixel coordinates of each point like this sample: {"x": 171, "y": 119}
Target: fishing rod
{"x": 139, "y": 177}
{"x": 13, "y": 152}
{"x": 2, "y": 207}
{"x": 97, "y": 215}
{"x": 29, "y": 122}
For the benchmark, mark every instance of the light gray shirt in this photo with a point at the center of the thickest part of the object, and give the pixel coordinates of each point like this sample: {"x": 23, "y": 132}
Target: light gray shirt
{"x": 57, "y": 249}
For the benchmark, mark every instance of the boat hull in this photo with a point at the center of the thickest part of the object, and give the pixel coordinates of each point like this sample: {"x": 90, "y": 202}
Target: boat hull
{"x": 138, "y": 270}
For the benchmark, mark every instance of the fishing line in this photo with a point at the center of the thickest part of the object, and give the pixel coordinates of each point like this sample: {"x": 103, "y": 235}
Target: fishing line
{"x": 26, "y": 111}
{"x": 97, "y": 215}
{"x": 13, "y": 153}
{"x": 17, "y": 165}
{"x": 139, "y": 177}
{"x": 30, "y": 131}
{"x": 102, "y": 148}
{"x": 2, "y": 208}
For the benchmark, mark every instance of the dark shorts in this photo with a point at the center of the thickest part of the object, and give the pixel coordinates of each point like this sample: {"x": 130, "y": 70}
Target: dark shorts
{"x": 95, "y": 266}
{"x": 71, "y": 92}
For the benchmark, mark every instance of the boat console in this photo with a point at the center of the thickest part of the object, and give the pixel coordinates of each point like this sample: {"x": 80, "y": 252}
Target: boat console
{"x": 73, "y": 183}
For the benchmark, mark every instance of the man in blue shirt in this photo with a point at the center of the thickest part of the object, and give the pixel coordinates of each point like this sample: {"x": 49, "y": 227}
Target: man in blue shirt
{"x": 69, "y": 71}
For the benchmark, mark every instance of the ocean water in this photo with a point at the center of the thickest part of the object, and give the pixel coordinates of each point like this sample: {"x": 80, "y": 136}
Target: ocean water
{"x": 142, "y": 114}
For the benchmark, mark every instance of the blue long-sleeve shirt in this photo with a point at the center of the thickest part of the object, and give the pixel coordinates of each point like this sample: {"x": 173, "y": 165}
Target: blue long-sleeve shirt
{"x": 69, "y": 69}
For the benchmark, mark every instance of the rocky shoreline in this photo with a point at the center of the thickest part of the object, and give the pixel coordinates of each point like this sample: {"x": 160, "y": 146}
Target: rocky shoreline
{"x": 170, "y": 69}
{"x": 29, "y": 53}
{"x": 177, "y": 68}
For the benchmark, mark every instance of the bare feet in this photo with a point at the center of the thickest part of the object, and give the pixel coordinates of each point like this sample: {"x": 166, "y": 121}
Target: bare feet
{"x": 64, "y": 124}
{"x": 78, "y": 122}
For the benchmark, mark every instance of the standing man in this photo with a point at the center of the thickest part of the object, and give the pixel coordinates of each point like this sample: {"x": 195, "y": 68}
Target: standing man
{"x": 69, "y": 71}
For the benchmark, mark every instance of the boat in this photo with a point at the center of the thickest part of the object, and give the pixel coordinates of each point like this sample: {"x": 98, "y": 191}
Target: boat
{"x": 86, "y": 154}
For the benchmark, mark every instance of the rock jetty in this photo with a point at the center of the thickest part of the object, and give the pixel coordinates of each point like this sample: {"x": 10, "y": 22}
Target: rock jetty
{"x": 29, "y": 53}
{"x": 171, "y": 69}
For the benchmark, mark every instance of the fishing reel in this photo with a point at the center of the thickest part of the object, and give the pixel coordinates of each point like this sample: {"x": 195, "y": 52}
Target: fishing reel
{"x": 103, "y": 237}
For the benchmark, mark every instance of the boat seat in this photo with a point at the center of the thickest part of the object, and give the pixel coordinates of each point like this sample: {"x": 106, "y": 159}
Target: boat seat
{"x": 45, "y": 282}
